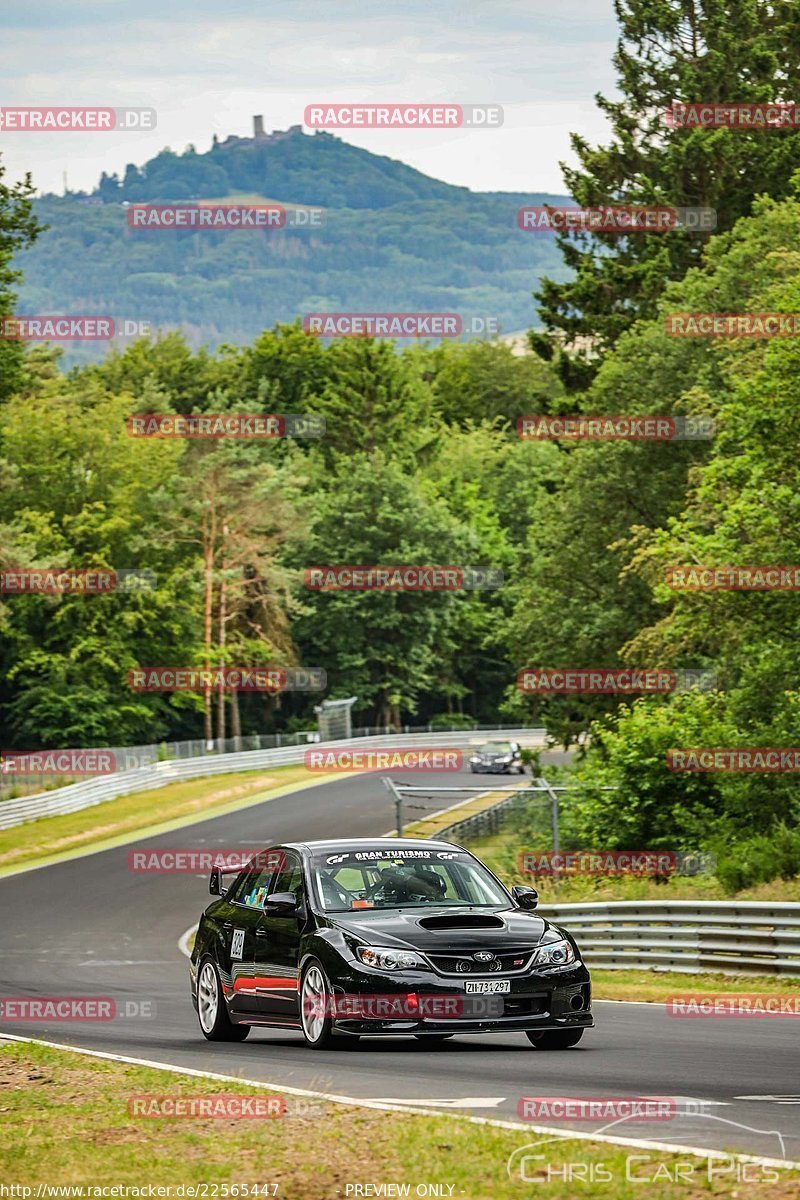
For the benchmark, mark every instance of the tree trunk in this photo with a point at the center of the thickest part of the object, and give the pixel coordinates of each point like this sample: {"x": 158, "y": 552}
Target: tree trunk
{"x": 208, "y": 612}
{"x": 221, "y": 695}
{"x": 236, "y": 719}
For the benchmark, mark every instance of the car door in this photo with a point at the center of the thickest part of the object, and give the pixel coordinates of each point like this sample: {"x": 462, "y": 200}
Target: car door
{"x": 240, "y": 923}
{"x": 277, "y": 947}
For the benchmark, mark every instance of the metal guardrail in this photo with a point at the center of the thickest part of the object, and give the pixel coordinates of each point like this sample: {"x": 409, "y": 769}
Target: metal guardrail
{"x": 96, "y": 791}
{"x": 732, "y": 936}
{"x": 129, "y": 757}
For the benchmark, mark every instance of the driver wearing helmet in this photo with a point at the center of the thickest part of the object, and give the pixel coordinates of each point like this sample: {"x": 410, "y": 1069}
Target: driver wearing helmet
{"x": 413, "y": 882}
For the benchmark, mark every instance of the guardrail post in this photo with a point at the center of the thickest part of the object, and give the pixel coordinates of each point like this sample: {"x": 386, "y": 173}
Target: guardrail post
{"x": 554, "y": 820}
{"x": 398, "y": 806}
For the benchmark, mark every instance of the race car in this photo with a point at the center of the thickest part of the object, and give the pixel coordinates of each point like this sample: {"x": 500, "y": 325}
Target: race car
{"x": 383, "y": 937}
{"x": 497, "y": 758}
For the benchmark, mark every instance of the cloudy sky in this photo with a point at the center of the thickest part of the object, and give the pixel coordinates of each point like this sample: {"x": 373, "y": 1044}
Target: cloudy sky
{"x": 208, "y": 67}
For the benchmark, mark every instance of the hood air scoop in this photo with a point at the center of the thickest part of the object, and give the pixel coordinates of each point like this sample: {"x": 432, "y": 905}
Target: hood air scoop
{"x": 465, "y": 921}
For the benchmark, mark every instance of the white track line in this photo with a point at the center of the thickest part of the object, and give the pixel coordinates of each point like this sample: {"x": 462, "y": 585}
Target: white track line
{"x": 183, "y": 940}
{"x": 556, "y": 1134}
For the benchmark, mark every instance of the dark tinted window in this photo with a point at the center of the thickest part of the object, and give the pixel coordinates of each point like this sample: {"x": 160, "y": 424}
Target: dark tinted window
{"x": 290, "y": 878}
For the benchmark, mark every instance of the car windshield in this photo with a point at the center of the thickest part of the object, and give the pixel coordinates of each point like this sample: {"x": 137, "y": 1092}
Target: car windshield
{"x": 496, "y": 748}
{"x": 417, "y": 878}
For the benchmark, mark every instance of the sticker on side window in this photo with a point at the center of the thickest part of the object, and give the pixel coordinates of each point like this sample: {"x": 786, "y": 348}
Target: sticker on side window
{"x": 237, "y": 943}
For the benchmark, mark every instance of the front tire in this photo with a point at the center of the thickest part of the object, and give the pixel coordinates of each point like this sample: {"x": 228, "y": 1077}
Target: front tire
{"x": 212, "y": 1011}
{"x": 554, "y": 1039}
{"x": 315, "y": 1008}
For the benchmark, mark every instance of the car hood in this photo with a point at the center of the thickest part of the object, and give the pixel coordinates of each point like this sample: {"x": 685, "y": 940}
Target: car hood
{"x": 443, "y": 929}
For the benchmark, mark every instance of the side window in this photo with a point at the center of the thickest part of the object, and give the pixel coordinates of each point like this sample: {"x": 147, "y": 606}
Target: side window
{"x": 252, "y": 887}
{"x": 254, "y": 892}
{"x": 290, "y": 878}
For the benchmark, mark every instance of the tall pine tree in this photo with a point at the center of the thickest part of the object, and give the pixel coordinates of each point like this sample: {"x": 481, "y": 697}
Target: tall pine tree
{"x": 18, "y": 228}
{"x": 672, "y": 51}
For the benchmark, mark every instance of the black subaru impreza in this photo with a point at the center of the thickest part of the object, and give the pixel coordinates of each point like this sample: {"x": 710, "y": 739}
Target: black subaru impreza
{"x": 383, "y": 936}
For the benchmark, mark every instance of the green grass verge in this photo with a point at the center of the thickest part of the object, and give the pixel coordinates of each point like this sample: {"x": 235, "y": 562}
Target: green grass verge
{"x": 66, "y": 1122}
{"x": 658, "y": 986}
{"x": 500, "y": 853}
{"x": 102, "y": 826}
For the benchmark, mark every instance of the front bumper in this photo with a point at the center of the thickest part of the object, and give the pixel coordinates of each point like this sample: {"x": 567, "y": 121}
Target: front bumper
{"x": 412, "y": 1002}
{"x": 491, "y": 768}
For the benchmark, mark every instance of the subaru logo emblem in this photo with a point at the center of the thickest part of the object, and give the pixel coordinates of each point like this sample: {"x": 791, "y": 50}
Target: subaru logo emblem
{"x": 484, "y": 956}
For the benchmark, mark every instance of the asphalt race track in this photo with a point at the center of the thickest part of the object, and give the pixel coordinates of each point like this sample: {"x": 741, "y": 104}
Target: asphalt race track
{"x": 93, "y": 927}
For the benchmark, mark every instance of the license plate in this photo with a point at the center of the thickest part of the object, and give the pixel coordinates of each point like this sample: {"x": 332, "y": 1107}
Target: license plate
{"x": 488, "y": 986}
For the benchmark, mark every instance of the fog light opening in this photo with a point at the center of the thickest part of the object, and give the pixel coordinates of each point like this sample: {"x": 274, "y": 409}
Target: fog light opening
{"x": 576, "y": 1002}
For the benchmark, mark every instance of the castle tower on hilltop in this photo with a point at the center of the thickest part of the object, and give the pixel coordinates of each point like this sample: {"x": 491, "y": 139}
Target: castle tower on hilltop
{"x": 259, "y": 136}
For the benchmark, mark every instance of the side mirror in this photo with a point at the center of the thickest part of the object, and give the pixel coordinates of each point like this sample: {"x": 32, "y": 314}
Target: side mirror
{"x": 526, "y": 897}
{"x": 281, "y": 902}
{"x": 215, "y": 883}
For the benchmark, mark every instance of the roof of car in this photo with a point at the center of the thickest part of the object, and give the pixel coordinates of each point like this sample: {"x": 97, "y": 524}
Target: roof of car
{"x": 376, "y": 843}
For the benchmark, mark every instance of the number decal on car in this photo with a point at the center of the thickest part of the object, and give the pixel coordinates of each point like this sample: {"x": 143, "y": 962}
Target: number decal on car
{"x": 237, "y": 943}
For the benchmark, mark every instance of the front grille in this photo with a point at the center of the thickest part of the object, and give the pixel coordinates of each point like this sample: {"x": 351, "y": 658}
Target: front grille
{"x": 509, "y": 962}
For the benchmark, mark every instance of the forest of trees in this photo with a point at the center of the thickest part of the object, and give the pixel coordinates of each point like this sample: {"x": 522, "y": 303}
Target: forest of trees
{"x": 422, "y": 464}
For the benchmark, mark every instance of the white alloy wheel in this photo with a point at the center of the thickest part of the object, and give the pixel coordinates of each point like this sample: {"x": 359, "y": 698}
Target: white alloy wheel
{"x": 207, "y": 997}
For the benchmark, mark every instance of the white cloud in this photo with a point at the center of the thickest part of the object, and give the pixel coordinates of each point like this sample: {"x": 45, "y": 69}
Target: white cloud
{"x": 208, "y": 67}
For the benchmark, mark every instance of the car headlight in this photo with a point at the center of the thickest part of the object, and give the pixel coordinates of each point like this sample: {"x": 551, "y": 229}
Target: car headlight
{"x": 475, "y": 758}
{"x": 555, "y": 954}
{"x": 508, "y": 758}
{"x": 387, "y": 959}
